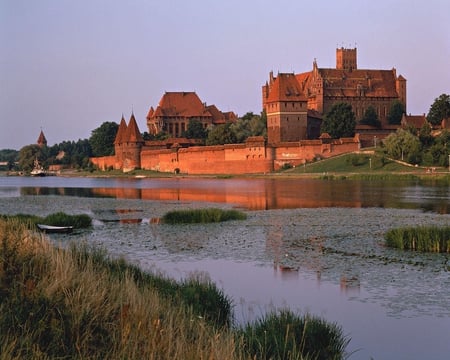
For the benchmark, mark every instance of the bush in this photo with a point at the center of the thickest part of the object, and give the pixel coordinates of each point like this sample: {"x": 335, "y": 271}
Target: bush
{"x": 56, "y": 219}
{"x": 202, "y": 216}
{"x": 420, "y": 238}
{"x": 285, "y": 335}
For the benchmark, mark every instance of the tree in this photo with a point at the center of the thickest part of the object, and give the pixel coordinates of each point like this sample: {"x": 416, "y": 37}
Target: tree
{"x": 370, "y": 118}
{"x": 396, "y": 112}
{"x": 221, "y": 134}
{"x": 403, "y": 145}
{"x": 439, "y": 110}
{"x": 425, "y": 136}
{"x": 195, "y": 130}
{"x": 250, "y": 125}
{"x": 102, "y": 139}
{"x": 29, "y": 154}
{"x": 339, "y": 121}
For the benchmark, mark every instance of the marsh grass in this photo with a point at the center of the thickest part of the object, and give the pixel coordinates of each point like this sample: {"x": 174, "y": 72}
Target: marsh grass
{"x": 420, "y": 238}
{"x": 286, "y": 335}
{"x": 57, "y": 219}
{"x": 78, "y": 303}
{"x": 208, "y": 215}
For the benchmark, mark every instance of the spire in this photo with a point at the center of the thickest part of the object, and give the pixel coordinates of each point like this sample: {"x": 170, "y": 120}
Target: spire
{"x": 121, "y": 132}
{"x": 132, "y": 133}
{"x": 42, "y": 141}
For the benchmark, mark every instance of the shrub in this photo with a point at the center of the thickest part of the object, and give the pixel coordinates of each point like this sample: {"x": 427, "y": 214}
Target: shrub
{"x": 202, "y": 216}
{"x": 420, "y": 238}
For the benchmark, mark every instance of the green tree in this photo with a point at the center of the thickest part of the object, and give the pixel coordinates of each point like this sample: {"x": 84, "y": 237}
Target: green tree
{"x": 10, "y": 156}
{"x": 339, "y": 121}
{"x": 439, "y": 151}
{"x": 102, "y": 139}
{"x": 396, "y": 112}
{"x": 195, "y": 130}
{"x": 29, "y": 154}
{"x": 221, "y": 134}
{"x": 250, "y": 125}
{"x": 425, "y": 137}
{"x": 370, "y": 117}
{"x": 402, "y": 145}
{"x": 439, "y": 110}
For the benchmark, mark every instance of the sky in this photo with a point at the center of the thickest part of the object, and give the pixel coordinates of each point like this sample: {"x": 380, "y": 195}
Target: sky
{"x": 67, "y": 66}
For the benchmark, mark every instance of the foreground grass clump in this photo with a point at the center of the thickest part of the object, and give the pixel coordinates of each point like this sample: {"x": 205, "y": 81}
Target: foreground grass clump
{"x": 420, "y": 238}
{"x": 202, "y": 216}
{"x": 78, "y": 303}
{"x": 285, "y": 335}
{"x": 57, "y": 219}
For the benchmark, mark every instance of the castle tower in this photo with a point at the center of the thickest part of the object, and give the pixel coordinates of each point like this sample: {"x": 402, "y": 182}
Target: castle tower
{"x": 118, "y": 143}
{"x": 400, "y": 84}
{"x": 132, "y": 143}
{"x": 346, "y": 59}
{"x": 41, "y": 141}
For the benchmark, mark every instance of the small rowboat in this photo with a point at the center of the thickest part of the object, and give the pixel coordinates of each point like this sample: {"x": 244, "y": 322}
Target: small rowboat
{"x": 55, "y": 229}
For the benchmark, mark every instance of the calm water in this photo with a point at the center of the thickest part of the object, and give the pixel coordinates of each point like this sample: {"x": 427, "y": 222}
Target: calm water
{"x": 311, "y": 245}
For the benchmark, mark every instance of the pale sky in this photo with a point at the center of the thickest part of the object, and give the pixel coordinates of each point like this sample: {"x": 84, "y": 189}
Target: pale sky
{"x": 67, "y": 66}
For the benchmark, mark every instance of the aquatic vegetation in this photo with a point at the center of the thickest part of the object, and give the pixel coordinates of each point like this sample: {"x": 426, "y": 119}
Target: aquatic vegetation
{"x": 57, "y": 219}
{"x": 202, "y": 216}
{"x": 420, "y": 238}
{"x": 286, "y": 335}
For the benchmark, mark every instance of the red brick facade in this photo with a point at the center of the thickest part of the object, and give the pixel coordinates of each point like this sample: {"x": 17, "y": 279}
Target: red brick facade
{"x": 287, "y": 97}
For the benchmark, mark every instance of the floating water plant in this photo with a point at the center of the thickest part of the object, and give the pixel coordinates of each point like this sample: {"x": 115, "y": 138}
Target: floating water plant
{"x": 208, "y": 215}
{"x": 420, "y": 238}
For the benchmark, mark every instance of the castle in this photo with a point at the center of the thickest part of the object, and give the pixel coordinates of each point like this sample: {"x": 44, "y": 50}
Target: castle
{"x": 294, "y": 104}
{"x": 293, "y": 101}
{"x": 176, "y": 109}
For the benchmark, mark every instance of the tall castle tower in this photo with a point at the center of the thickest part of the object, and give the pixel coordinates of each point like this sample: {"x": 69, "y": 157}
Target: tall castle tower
{"x": 346, "y": 59}
{"x": 128, "y": 145}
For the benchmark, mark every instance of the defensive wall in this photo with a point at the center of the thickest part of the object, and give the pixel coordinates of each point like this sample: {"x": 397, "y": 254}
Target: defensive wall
{"x": 252, "y": 157}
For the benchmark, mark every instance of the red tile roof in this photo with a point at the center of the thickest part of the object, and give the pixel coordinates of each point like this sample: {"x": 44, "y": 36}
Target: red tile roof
{"x": 120, "y": 132}
{"x": 132, "y": 133}
{"x": 285, "y": 87}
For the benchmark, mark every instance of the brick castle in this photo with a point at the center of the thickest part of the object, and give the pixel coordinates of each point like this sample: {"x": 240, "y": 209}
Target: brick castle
{"x": 294, "y": 104}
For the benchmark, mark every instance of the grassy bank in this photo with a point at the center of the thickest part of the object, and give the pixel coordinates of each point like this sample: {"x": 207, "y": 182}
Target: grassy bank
{"x": 80, "y": 304}
{"x": 420, "y": 238}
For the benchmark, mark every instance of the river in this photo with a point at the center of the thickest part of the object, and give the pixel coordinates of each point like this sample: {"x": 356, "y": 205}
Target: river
{"x": 311, "y": 245}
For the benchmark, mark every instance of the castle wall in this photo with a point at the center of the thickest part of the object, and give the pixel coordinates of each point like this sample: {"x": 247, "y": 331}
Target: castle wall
{"x": 104, "y": 162}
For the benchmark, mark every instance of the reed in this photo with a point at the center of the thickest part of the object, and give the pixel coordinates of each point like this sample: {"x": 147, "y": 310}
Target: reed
{"x": 286, "y": 335}
{"x": 420, "y": 238}
{"x": 208, "y": 215}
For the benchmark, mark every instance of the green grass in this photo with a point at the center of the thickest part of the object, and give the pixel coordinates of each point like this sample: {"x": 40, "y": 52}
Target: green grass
{"x": 286, "y": 335}
{"x": 208, "y": 215}
{"x": 57, "y": 219}
{"x": 420, "y": 238}
{"x": 354, "y": 163}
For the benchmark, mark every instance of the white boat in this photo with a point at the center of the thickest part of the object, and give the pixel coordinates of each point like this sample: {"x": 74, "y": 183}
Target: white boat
{"x": 38, "y": 169}
{"x": 55, "y": 229}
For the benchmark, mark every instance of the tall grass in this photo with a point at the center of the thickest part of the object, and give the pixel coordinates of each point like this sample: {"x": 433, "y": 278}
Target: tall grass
{"x": 202, "y": 216}
{"x": 420, "y": 238}
{"x": 57, "y": 219}
{"x": 78, "y": 303}
{"x": 285, "y": 335}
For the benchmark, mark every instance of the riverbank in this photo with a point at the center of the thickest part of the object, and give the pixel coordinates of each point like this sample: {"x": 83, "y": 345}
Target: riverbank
{"x": 79, "y": 303}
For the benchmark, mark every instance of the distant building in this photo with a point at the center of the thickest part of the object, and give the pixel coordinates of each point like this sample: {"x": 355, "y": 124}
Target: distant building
{"x": 41, "y": 141}
{"x": 415, "y": 121}
{"x": 287, "y": 98}
{"x": 176, "y": 109}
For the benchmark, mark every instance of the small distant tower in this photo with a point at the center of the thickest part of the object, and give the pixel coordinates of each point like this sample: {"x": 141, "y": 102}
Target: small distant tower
{"x": 132, "y": 142}
{"x": 41, "y": 141}
{"x": 346, "y": 59}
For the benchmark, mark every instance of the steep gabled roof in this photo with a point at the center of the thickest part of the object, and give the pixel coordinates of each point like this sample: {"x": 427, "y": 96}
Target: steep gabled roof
{"x": 41, "y": 141}
{"x": 180, "y": 104}
{"x": 132, "y": 133}
{"x": 414, "y": 120}
{"x": 285, "y": 87}
{"x": 120, "y": 132}
{"x": 374, "y": 83}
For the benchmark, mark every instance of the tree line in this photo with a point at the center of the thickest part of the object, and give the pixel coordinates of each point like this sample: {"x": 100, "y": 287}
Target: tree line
{"x": 406, "y": 144}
